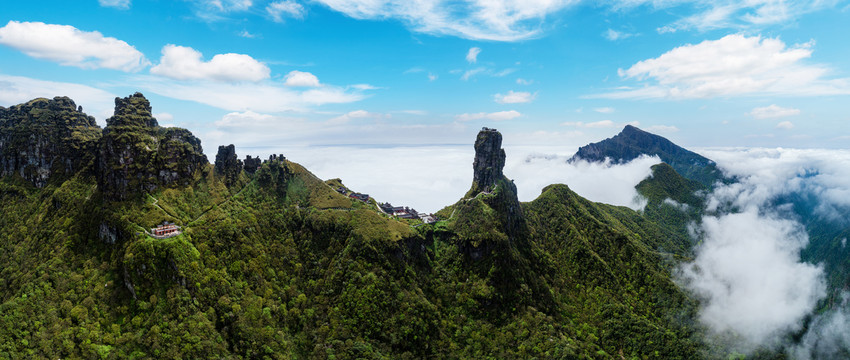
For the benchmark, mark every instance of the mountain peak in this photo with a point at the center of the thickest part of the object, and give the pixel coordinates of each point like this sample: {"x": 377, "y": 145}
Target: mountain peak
{"x": 489, "y": 160}
{"x": 43, "y": 137}
{"x": 633, "y": 142}
{"x": 132, "y": 110}
{"x": 630, "y": 128}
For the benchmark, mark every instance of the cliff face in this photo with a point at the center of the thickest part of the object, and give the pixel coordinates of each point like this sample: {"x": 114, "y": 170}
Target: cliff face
{"x": 492, "y": 193}
{"x": 491, "y": 231}
{"x": 136, "y": 155}
{"x": 489, "y": 160}
{"x": 227, "y": 164}
{"x": 44, "y": 138}
{"x": 491, "y": 186}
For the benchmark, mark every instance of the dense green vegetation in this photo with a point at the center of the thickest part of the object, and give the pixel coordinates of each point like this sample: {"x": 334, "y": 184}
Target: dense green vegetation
{"x": 274, "y": 263}
{"x": 259, "y": 272}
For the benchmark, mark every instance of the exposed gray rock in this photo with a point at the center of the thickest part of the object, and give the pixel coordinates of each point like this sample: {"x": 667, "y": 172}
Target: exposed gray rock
{"x": 227, "y": 164}
{"x": 489, "y": 160}
{"x": 137, "y": 156}
{"x": 43, "y": 139}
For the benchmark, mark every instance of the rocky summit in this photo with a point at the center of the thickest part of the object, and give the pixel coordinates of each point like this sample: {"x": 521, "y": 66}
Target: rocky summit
{"x": 227, "y": 164}
{"x": 137, "y": 155}
{"x": 494, "y": 194}
{"x": 43, "y": 138}
{"x": 633, "y": 142}
{"x": 489, "y": 160}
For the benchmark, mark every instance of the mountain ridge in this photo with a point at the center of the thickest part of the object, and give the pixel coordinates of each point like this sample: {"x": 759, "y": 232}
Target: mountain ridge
{"x": 273, "y": 262}
{"x": 633, "y": 142}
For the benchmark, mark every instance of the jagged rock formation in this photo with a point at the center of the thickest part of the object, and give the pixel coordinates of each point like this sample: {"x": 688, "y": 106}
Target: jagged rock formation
{"x": 251, "y": 164}
{"x": 489, "y": 160}
{"x": 490, "y": 184}
{"x": 492, "y": 233}
{"x": 227, "y": 164}
{"x": 136, "y": 155}
{"x": 633, "y": 142}
{"x": 43, "y": 138}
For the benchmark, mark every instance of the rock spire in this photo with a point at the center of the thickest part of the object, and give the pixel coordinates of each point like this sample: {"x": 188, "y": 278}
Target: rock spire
{"x": 489, "y": 160}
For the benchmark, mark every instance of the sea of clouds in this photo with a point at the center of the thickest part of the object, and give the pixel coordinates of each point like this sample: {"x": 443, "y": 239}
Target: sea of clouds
{"x": 748, "y": 269}
{"x": 429, "y": 178}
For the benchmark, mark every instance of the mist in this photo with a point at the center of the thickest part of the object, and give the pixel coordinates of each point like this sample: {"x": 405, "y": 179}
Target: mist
{"x": 428, "y": 178}
{"x": 749, "y": 275}
{"x": 755, "y": 290}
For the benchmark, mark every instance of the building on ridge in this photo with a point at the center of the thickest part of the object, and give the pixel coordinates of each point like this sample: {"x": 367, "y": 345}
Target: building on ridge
{"x": 166, "y": 230}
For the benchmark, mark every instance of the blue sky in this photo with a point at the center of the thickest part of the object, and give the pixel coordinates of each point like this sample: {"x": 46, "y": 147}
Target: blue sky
{"x": 381, "y": 72}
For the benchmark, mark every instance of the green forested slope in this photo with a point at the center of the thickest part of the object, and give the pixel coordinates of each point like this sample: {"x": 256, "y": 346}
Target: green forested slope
{"x": 276, "y": 264}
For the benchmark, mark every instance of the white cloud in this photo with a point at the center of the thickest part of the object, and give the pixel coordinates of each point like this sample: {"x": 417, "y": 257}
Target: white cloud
{"x": 519, "y": 97}
{"x": 768, "y": 173}
{"x": 413, "y": 112}
{"x": 364, "y": 87}
{"x": 828, "y": 336}
{"x": 596, "y": 124}
{"x": 371, "y": 169}
{"x": 740, "y": 14}
{"x": 501, "y": 20}
{"x": 354, "y": 128}
{"x": 731, "y": 66}
{"x": 184, "y": 63}
{"x": 120, "y": 4}
{"x": 358, "y": 114}
{"x": 505, "y": 72}
{"x": 470, "y": 73}
{"x": 773, "y": 111}
{"x": 278, "y": 9}
{"x": 164, "y": 117}
{"x": 604, "y": 110}
{"x": 432, "y": 77}
{"x": 17, "y": 89}
{"x": 615, "y": 35}
{"x": 248, "y": 35}
{"x": 662, "y": 129}
{"x": 217, "y": 10}
{"x": 262, "y": 96}
{"x": 676, "y": 204}
{"x": 494, "y": 116}
{"x": 787, "y": 125}
{"x": 596, "y": 181}
{"x": 297, "y": 78}
{"x": 749, "y": 274}
{"x": 720, "y": 14}
{"x": 472, "y": 55}
{"x": 227, "y": 5}
{"x": 521, "y": 81}
{"x": 375, "y": 170}
{"x": 770, "y": 292}
{"x": 69, "y": 46}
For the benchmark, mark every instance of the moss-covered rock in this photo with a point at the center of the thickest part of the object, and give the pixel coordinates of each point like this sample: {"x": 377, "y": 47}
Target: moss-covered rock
{"x": 227, "y": 165}
{"x": 136, "y": 156}
{"x": 46, "y": 139}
